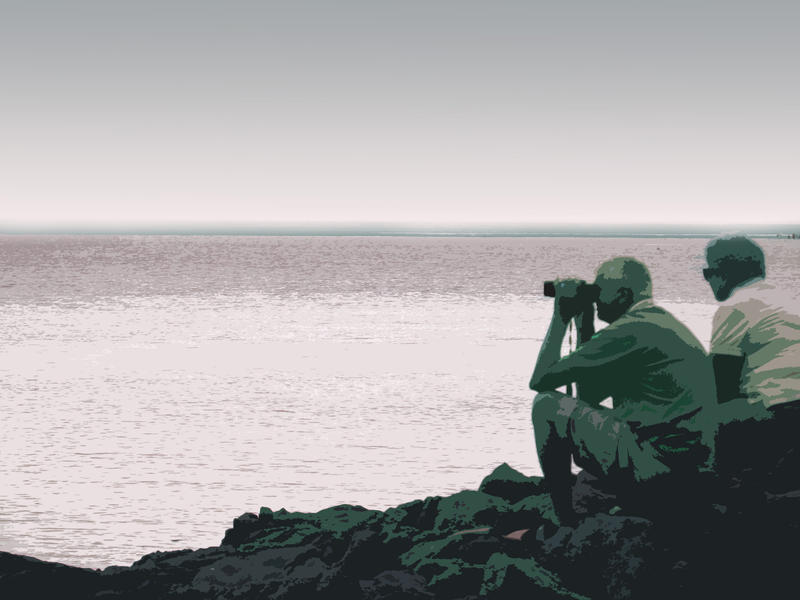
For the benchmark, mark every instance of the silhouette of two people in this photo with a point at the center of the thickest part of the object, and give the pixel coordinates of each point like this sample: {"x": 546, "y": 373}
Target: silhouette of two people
{"x": 676, "y": 414}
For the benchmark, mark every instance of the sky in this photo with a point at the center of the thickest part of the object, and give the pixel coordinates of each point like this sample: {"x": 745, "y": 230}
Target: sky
{"x": 399, "y": 111}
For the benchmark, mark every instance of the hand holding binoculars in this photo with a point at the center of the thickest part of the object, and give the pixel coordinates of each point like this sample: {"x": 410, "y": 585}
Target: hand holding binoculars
{"x": 573, "y": 296}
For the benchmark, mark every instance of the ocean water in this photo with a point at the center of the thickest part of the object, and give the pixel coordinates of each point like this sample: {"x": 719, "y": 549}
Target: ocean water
{"x": 154, "y": 387}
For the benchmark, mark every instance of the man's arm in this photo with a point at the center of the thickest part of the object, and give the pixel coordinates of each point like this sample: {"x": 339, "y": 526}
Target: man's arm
{"x": 549, "y": 354}
{"x": 596, "y": 365}
{"x": 551, "y": 371}
{"x": 728, "y": 376}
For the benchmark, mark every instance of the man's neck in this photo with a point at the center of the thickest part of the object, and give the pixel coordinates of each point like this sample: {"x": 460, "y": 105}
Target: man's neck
{"x": 745, "y": 283}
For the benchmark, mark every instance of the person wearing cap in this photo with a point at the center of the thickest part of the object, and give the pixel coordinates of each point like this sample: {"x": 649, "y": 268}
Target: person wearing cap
{"x": 652, "y": 367}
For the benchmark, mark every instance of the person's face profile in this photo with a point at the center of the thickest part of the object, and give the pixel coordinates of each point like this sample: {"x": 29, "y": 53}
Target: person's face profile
{"x": 715, "y": 276}
{"x": 612, "y": 301}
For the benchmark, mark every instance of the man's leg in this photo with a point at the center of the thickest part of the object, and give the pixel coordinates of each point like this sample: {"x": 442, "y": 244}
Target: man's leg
{"x": 550, "y": 415}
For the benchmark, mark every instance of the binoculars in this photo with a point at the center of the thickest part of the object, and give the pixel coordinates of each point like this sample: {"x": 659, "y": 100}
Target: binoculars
{"x": 586, "y": 293}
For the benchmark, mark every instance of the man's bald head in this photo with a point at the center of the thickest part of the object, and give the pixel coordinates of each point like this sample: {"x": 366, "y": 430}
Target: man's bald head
{"x": 622, "y": 282}
{"x": 625, "y": 271}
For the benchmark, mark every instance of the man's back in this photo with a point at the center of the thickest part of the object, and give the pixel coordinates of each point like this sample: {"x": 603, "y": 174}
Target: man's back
{"x": 649, "y": 363}
{"x": 761, "y": 324}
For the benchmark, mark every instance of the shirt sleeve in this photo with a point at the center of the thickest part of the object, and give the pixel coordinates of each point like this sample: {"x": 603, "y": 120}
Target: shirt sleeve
{"x": 729, "y": 328}
{"x": 594, "y": 361}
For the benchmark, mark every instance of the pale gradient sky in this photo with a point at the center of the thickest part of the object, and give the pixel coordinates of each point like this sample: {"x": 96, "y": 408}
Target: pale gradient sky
{"x": 501, "y": 111}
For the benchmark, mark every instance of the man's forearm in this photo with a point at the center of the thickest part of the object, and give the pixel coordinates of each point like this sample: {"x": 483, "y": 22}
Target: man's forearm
{"x": 549, "y": 353}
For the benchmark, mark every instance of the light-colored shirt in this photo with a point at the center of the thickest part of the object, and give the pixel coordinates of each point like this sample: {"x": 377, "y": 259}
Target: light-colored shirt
{"x": 762, "y": 324}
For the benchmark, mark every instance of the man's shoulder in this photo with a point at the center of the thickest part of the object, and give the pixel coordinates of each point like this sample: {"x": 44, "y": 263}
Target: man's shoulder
{"x": 649, "y": 316}
{"x": 745, "y": 303}
{"x": 756, "y": 293}
{"x": 656, "y": 325}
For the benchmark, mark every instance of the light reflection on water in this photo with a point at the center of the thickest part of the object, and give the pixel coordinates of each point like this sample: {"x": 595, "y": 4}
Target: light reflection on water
{"x": 154, "y": 388}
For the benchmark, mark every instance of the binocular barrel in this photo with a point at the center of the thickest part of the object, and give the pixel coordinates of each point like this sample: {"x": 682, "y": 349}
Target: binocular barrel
{"x": 587, "y": 292}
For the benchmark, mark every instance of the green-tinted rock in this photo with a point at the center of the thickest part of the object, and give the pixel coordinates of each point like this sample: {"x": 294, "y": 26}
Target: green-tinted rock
{"x": 423, "y": 551}
{"x": 283, "y": 529}
{"x": 420, "y": 514}
{"x": 445, "y": 577}
{"x": 452, "y": 578}
{"x": 469, "y": 548}
{"x": 506, "y": 577}
{"x": 395, "y": 585}
{"x": 283, "y": 537}
{"x": 540, "y": 506}
{"x": 468, "y": 510}
{"x": 344, "y": 519}
{"x": 509, "y": 484}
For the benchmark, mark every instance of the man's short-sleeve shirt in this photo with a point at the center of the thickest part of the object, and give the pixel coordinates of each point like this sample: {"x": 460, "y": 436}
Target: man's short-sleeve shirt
{"x": 762, "y": 324}
{"x": 647, "y": 361}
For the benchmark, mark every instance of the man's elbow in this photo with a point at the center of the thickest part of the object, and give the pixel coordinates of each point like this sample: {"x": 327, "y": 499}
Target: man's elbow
{"x": 540, "y": 383}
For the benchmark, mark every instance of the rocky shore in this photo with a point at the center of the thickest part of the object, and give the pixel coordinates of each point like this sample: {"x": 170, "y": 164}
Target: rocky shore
{"x": 500, "y": 541}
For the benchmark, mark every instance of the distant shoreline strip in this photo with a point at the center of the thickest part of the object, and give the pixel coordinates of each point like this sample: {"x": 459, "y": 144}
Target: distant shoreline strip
{"x": 421, "y": 234}
{"x": 404, "y": 230}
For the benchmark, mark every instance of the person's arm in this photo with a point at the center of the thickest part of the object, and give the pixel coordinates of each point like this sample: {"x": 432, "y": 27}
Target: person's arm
{"x": 728, "y": 376}
{"x": 587, "y": 390}
{"x": 596, "y": 366}
{"x": 549, "y": 354}
{"x": 566, "y": 306}
{"x": 729, "y": 330}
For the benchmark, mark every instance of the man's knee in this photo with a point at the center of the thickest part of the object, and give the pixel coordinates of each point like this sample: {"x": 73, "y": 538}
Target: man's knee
{"x": 553, "y": 409}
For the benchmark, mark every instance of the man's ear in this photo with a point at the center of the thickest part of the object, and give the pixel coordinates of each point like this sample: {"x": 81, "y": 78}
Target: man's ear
{"x": 625, "y": 296}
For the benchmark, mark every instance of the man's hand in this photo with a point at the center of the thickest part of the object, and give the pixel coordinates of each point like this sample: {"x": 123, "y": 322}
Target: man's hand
{"x": 567, "y": 305}
{"x": 569, "y": 302}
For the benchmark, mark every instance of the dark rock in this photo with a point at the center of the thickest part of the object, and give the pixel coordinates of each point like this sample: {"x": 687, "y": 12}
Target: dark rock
{"x": 528, "y": 513}
{"x": 729, "y": 539}
{"x": 453, "y": 566}
{"x": 512, "y": 578}
{"x": 603, "y": 553}
{"x": 509, "y": 484}
{"x": 472, "y": 548}
{"x": 589, "y": 497}
{"x": 452, "y": 578}
{"x": 159, "y": 574}
{"x": 395, "y": 585}
{"x": 469, "y": 510}
{"x": 475, "y": 548}
{"x": 243, "y": 529}
{"x": 368, "y": 553}
{"x": 25, "y": 577}
{"x": 420, "y": 514}
{"x": 272, "y": 572}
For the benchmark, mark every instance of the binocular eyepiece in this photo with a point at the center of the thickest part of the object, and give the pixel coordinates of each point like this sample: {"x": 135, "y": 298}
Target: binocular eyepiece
{"x": 585, "y": 292}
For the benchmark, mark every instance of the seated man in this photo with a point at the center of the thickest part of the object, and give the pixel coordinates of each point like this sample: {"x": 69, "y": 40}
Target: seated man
{"x": 648, "y": 362}
{"x": 755, "y": 353}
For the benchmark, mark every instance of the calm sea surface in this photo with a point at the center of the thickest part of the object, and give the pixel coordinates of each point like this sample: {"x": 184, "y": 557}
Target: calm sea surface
{"x": 154, "y": 387}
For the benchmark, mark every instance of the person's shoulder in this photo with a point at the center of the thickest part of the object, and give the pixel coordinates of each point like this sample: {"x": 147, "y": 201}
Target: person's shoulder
{"x": 664, "y": 326}
{"x": 747, "y": 302}
{"x": 651, "y": 314}
{"x": 758, "y": 291}
{"x": 638, "y": 322}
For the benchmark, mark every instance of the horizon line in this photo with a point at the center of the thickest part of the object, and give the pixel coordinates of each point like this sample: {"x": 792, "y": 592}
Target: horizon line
{"x": 393, "y": 228}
